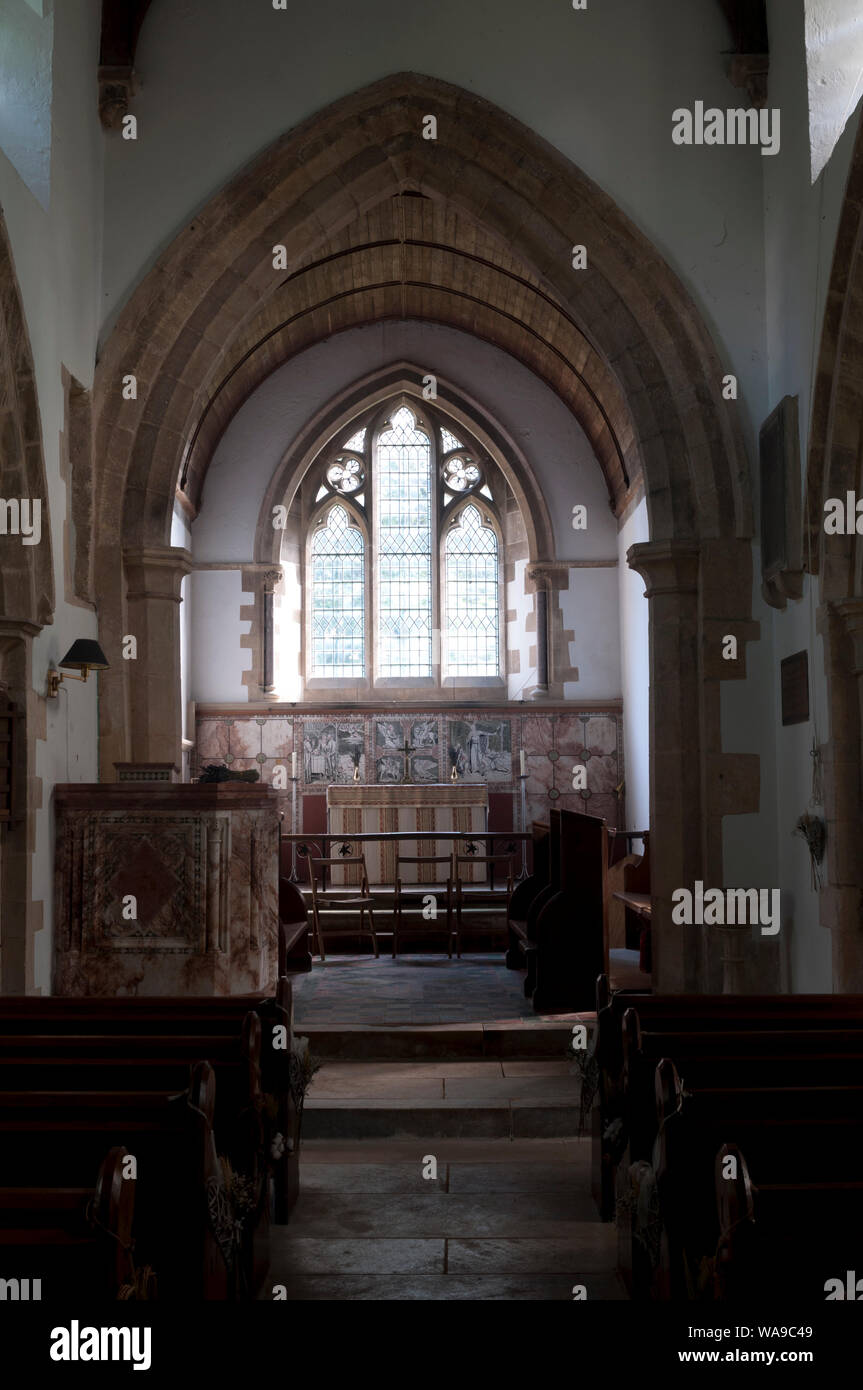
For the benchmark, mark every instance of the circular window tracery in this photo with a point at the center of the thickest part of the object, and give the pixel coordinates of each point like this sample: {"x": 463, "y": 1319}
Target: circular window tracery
{"x": 346, "y": 474}
{"x": 460, "y": 473}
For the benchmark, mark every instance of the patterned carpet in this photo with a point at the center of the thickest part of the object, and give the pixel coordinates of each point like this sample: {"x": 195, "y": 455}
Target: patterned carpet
{"x": 410, "y": 989}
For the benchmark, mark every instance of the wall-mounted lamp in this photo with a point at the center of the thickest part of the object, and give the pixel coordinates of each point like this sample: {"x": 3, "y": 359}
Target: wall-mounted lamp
{"x": 84, "y": 656}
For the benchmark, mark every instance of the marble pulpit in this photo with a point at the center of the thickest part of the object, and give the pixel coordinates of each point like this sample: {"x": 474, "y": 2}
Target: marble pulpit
{"x": 166, "y": 888}
{"x": 386, "y": 808}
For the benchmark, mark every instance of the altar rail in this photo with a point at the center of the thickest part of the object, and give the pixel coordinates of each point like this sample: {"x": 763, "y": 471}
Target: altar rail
{"x": 331, "y": 843}
{"x": 327, "y": 843}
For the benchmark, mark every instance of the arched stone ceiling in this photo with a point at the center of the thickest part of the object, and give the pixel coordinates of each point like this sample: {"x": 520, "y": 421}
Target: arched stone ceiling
{"x": 488, "y": 249}
{"x": 411, "y": 257}
{"x": 26, "y": 571}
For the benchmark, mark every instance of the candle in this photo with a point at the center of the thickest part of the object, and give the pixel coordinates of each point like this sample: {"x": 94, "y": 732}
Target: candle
{"x": 294, "y": 764}
{"x": 521, "y": 762}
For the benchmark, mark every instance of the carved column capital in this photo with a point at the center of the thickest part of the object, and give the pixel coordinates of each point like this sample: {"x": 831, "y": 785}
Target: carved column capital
{"x": 117, "y": 85}
{"x": 667, "y": 567}
{"x": 541, "y": 575}
{"x": 849, "y": 611}
{"x": 156, "y": 571}
{"x": 750, "y": 70}
{"x": 272, "y": 580}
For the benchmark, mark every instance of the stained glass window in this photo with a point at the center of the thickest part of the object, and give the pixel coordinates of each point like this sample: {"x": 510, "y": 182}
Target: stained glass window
{"x": 338, "y": 598}
{"x": 415, "y": 471}
{"x": 471, "y": 646}
{"x": 403, "y": 479}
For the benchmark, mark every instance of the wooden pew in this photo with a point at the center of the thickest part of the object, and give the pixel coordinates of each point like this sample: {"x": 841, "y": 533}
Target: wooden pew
{"x": 570, "y": 928}
{"x": 72, "y": 1237}
{"x": 181, "y": 1030}
{"x": 781, "y": 1241}
{"x": 530, "y": 903}
{"x": 520, "y": 947}
{"x": 663, "y": 1022}
{"x": 180, "y": 1197}
{"x": 86, "y": 1045}
{"x": 294, "y": 954}
{"x": 792, "y": 1136}
{"x": 769, "y": 1056}
{"x": 635, "y": 897}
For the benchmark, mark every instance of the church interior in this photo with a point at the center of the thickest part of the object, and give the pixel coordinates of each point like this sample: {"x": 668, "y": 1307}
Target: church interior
{"x": 431, "y": 651}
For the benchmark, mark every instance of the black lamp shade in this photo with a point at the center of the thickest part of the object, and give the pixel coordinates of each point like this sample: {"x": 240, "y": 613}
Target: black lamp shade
{"x": 84, "y": 655}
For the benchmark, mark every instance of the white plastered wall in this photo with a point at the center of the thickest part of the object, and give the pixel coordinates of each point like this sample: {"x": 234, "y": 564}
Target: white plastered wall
{"x": 55, "y": 235}
{"x": 553, "y": 442}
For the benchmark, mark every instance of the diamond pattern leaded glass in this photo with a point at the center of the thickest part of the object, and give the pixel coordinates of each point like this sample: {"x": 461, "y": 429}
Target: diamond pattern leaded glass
{"x": 448, "y": 441}
{"x": 472, "y": 606}
{"x": 404, "y": 531}
{"x": 338, "y": 598}
{"x": 356, "y": 442}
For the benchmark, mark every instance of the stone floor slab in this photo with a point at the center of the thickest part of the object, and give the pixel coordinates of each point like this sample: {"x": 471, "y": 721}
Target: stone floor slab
{"x": 528, "y": 1088}
{"x": 591, "y": 1249}
{"x": 386, "y": 1179}
{"x": 381, "y": 1288}
{"x": 565, "y": 1177}
{"x": 291, "y": 1255}
{"x": 450, "y": 1150}
{"x": 339, "y": 1216}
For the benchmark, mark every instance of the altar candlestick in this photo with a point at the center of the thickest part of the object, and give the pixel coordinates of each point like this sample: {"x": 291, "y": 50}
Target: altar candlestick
{"x": 294, "y": 764}
{"x": 521, "y": 763}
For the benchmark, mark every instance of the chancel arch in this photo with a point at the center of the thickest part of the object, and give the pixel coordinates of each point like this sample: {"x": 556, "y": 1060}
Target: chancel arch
{"x": 26, "y": 606}
{"x": 836, "y": 563}
{"x": 622, "y": 344}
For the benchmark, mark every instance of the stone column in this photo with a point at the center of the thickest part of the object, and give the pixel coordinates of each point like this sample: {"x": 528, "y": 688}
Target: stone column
{"x": 670, "y": 570}
{"x": 154, "y": 575}
{"x": 20, "y": 916}
{"x": 272, "y": 579}
{"x": 841, "y": 900}
{"x": 541, "y": 578}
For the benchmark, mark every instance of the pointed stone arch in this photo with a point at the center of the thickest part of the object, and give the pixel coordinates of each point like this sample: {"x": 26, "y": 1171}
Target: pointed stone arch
{"x": 26, "y": 606}
{"x": 834, "y": 467}
{"x": 622, "y": 343}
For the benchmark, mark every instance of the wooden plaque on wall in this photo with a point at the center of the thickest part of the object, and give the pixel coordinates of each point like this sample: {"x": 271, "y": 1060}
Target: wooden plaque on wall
{"x": 794, "y": 672}
{"x": 781, "y": 535}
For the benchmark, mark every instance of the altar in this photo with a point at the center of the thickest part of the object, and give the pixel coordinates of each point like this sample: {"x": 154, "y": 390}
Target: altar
{"x": 387, "y": 808}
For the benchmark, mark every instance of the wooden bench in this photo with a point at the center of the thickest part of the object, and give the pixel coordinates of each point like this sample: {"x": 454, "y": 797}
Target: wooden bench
{"x": 779, "y": 1075}
{"x": 202, "y": 1021}
{"x": 529, "y": 897}
{"x": 781, "y": 1240}
{"x": 180, "y": 1198}
{"x": 294, "y": 954}
{"x": 559, "y": 928}
{"x": 72, "y": 1237}
{"x": 792, "y": 1135}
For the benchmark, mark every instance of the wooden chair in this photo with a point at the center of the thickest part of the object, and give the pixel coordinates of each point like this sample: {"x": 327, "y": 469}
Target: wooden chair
{"x": 341, "y": 899}
{"x": 484, "y": 894}
{"x": 415, "y": 894}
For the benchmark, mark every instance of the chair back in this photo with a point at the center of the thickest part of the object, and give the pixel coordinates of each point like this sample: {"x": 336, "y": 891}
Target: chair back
{"x": 327, "y": 863}
{"x": 490, "y": 859}
{"x": 424, "y": 859}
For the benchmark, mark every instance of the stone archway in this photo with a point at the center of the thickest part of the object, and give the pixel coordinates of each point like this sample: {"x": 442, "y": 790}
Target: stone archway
{"x": 621, "y": 342}
{"x": 26, "y": 605}
{"x": 834, "y": 469}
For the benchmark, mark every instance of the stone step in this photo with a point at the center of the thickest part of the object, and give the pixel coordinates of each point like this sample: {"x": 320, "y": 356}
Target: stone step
{"x": 513, "y": 1039}
{"x": 382, "y": 1118}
